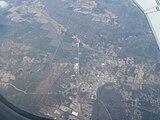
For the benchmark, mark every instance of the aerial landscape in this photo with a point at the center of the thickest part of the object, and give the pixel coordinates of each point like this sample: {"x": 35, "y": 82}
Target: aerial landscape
{"x": 151, "y": 9}
{"x": 79, "y": 59}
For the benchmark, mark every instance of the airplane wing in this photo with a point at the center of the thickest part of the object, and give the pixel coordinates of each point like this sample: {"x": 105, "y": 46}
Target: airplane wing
{"x": 151, "y": 8}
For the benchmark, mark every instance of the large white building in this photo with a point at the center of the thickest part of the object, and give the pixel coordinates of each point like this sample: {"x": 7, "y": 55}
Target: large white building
{"x": 151, "y": 9}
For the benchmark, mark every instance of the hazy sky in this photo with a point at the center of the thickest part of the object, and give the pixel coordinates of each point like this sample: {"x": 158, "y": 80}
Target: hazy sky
{"x": 3, "y": 4}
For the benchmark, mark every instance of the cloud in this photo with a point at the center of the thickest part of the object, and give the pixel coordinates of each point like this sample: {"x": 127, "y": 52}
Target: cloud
{"x": 3, "y": 4}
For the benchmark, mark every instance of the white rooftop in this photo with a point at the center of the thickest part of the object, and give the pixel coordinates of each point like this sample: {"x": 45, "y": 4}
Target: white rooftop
{"x": 151, "y": 9}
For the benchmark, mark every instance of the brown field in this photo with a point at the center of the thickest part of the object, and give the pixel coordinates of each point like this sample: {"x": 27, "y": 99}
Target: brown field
{"x": 45, "y": 86}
